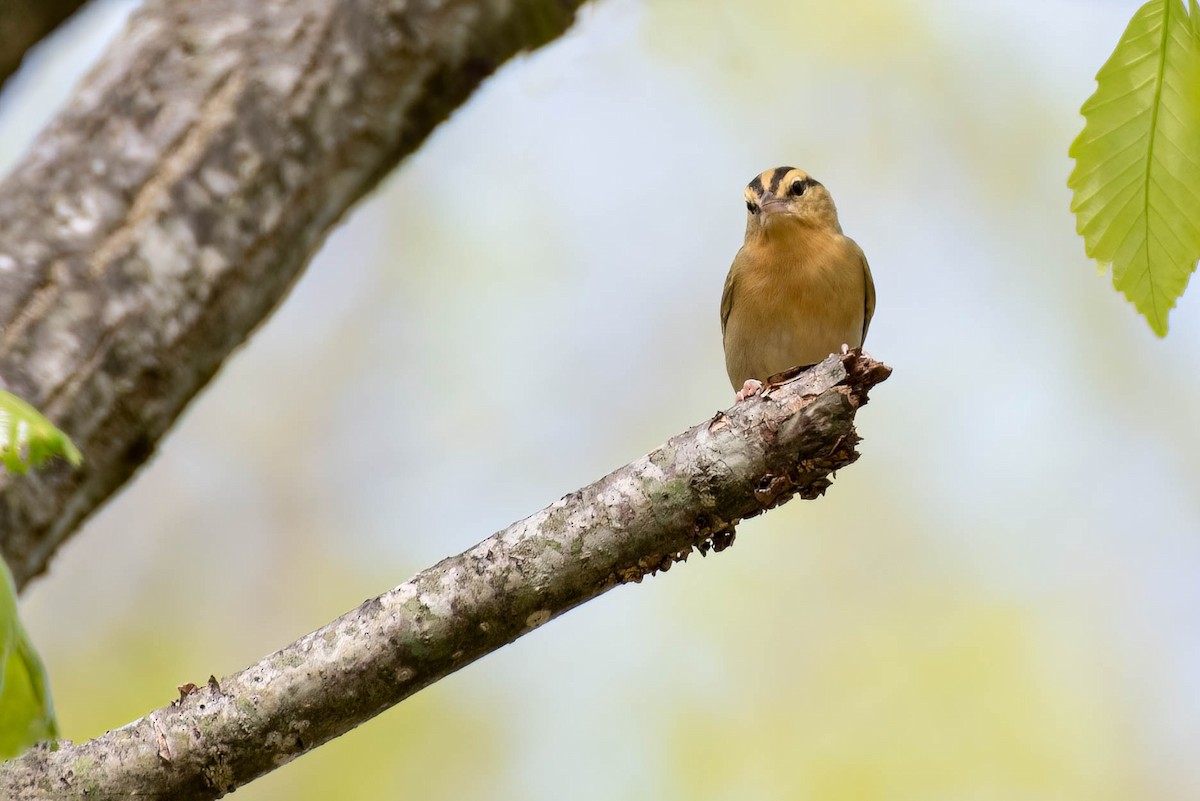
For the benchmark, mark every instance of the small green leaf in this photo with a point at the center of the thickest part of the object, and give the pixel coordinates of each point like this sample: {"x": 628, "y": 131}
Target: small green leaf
{"x": 26, "y": 711}
{"x": 28, "y": 440}
{"x": 1137, "y": 162}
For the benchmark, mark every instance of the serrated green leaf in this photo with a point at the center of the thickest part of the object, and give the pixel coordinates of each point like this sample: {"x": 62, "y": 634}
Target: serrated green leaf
{"x": 28, "y": 440}
{"x": 26, "y": 711}
{"x": 1136, "y": 180}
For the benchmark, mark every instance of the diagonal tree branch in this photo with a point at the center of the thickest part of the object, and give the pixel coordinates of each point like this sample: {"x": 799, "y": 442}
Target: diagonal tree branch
{"x": 24, "y": 23}
{"x": 688, "y": 494}
{"x": 169, "y": 208}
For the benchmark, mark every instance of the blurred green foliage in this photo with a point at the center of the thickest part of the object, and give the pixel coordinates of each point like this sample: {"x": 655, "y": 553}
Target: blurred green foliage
{"x": 27, "y": 439}
{"x": 26, "y": 711}
{"x": 943, "y": 694}
{"x": 1137, "y": 162}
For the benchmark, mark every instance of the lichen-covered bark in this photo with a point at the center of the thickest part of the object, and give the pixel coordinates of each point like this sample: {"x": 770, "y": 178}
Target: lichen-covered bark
{"x": 687, "y": 495}
{"x": 23, "y": 23}
{"x": 169, "y": 208}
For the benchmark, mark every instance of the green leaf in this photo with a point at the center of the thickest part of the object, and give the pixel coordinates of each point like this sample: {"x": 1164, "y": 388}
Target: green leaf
{"x": 1137, "y": 162}
{"x": 27, "y": 439}
{"x": 26, "y": 711}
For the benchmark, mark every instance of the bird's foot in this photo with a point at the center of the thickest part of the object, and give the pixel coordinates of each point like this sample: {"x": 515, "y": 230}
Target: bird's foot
{"x": 749, "y": 389}
{"x": 847, "y": 350}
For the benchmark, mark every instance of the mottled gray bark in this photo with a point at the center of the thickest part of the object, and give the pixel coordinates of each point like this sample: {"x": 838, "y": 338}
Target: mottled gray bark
{"x": 24, "y": 23}
{"x": 168, "y": 209}
{"x": 686, "y": 495}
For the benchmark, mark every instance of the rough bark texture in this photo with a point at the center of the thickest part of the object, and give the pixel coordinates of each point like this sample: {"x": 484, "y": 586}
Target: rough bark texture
{"x": 24, "y": 23}
{"x": 170, "y": 207}
{"x": 686, "y": 495}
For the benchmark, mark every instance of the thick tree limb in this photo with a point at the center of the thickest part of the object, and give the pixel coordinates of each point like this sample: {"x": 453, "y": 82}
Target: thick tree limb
{"x": 688, "y": 494}
{"x": 24, "y": 23}
{"x": 170, "y": 207}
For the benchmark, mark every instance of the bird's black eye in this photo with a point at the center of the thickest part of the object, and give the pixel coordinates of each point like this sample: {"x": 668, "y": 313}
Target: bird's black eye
{"x": 798, "y": 187}
{"x": 751, "y": 207}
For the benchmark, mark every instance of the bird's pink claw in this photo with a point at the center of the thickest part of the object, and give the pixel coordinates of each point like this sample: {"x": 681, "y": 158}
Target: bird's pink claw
{"x": 749, "y": 389}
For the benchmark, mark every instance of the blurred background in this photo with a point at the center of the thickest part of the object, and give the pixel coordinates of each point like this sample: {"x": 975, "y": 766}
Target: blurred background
{"x": 999, "y": 601}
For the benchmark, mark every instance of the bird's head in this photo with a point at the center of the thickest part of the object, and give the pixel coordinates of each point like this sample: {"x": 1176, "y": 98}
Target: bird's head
{"x": 781, "y": 199}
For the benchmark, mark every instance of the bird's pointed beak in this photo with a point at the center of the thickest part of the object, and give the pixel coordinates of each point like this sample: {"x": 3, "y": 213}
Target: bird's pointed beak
{"x": 771, "y": 206}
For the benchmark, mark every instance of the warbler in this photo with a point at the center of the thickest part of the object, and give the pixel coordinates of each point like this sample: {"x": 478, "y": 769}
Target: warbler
{"x": 799, "y": 289}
